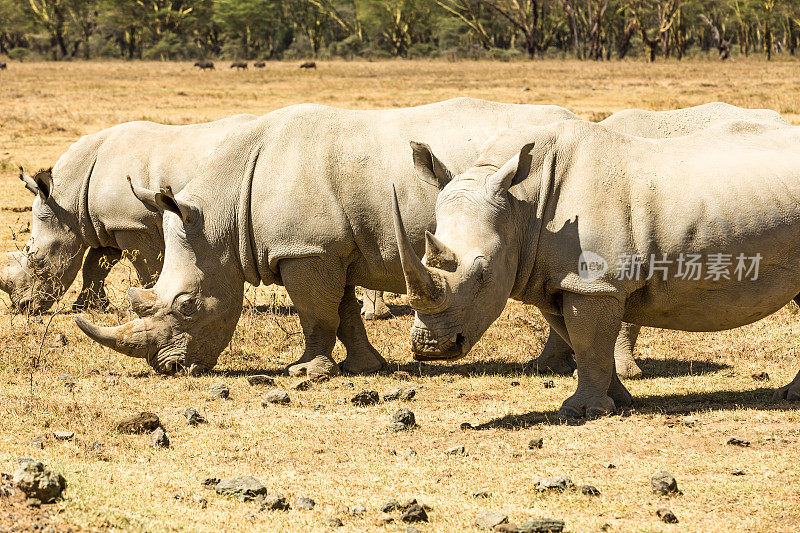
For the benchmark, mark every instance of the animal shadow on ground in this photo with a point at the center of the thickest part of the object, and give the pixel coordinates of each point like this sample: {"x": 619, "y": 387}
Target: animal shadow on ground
{"x": 667, "y": 368}
{"x": 668, "y": 404}
{"x": 491, "y": 367}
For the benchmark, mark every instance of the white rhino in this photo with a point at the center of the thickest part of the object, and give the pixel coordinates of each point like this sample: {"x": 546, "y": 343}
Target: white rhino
{"x": 578, "y": 194}
{"x": 556, "y": 357}
{"x": 84, "y": 201}
{"x": 299, "y": 198}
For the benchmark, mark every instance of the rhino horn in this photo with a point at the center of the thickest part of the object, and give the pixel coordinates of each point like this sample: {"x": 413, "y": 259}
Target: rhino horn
{"x": 437, "y": 254}
{"x": 419, "y": 281}
{"x": 30, "y": 184}
{"x": 132, "y": 338}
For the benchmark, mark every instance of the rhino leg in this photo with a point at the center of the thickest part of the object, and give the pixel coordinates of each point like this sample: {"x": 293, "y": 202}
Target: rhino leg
{"x": 374, "y": 306}
{"x": 96, "y": 266}
{"x": 623, "y": 352}
{"x": 145, "y": 252}
{"x": 362, "y": 357}
{"x": 791, "y": 391}
{"x": 316, "y": 289}
{"x": 556, "y": 357}
{"x": 593, "y": 324}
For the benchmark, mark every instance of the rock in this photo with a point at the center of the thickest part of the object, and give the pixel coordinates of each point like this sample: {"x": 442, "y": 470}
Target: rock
{"x": 535, "y": 443}
{"x": 243, "y": 487}
{"x": 139, "y": 424}
{"x": 400, "y": 393}
{"x": 159, "y": 439}
{"x": 412, "y": 529}
{"x": 609, "y": 465}
{"x": 59, "y": 341}
{"x": 761, "y": 376}
{"x": 302, "y": 385}
{"x": 333, "y": 522}
{"x": 403, "y": 419}
{"x": 304, "y": 503}
{"x": 408, "y": 503}
{"x": 384, "y": 520}
{"x": 448, "y": 379}
{"x": 200, "y": 500}
{"x": 548, "y": 384}
{"x": 554, "y": 483}
{"x": 219, "y": 390}
{"x": 33, "y": 502}
{"x": 401, "y": 376}
{"x": 738, "y": 441}
{"x": 509, "y": 527}
{"x": 542, "y": 525}
{"x": 667, "y": 516}
{"x": 273, "y": 502}
{"x": 482, "y": 494}
{"x": 663, "y": 484}
{"x": 210, "y": 482}
{"x": 37, "y": 443}
{"x": 515, "y": 383}
{"x": 456, "y": 450}
{"x": 525, "y": 89}
{"x": 414, "y": 513}
{"x": 37, "y": 480}
{"x": 589, "y": 490}
{"x": 365, "y": 398}
{"x": 466, "y": 426}
{"x": 277, "y": 396}
{"x": 63, "y": 435}
{"x": 490, "y": 519}
{"x": 390, "y": 506}
{"x": 358, "y": 509}
{"x": 193, "y": 418}
{"x": 738, "y": 473}
{"x": 261, "y": 379}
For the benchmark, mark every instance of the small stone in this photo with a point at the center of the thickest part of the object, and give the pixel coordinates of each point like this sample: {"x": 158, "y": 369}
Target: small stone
{"x": 384, "y": 520}
{"x": 401, "y": 376}
{"x": 456, "y": 450}
{"x": 403, "y": 419}
{"x": 333, "y": 522}
{"x": 304, "y": 503}
{"x": 210, "y": 482}
{"x": 509, "y": 527}
{"x": 548, "y": 384}
{"x": 466, "y": 426}
{"x": 663, "y": 484}
{"x": 37, "y": 480}
{"x": 64, "y": 435}
{"x": 302, "y": 385}
{"x": 261, "y": 379}
{"x": 400, "y": 393}
{"x": 448, "y": 379}
{"x": 200, "y": 500}
{"x": 535, "y": 443}
{"x": 412, "y": 529}
{"x": 414, "y": 513}
{"x": 408, "y": 503}
{"x": 277, "y": 396}
{"x": 33, "y": 502}
{"x": 525, "y": 89}
{"x": 667, "y": 516}
{"x": 542, "y": 525}
{"x": 358, "y": 509}
{"x": 390, "y": 506}
{"x": 59, "y": 341}
{"x": 609, "y": 465}
{"x": 515, "y": 383}
{"x": 490, "y": 519}
{"x": 589, "y": 490}
{"x": 38, "y": 444}
{"x": 193, "y": 418}
{"x": 482, "y": 494}
{"x": 244, "y": 487}
{"x": 219, "y": 390}
{"x": 365, "y": 398}
{"x": 738, "y": 473}
{"x": 738, "y": 441}
{"x": 761, "y": 376}
{"x": 139, "y": 424}
{"x": 554, "y": 483}
{"x": 605, "y": 527}
{"x": 273, "y": 502}
{"x": 159, "y": 439}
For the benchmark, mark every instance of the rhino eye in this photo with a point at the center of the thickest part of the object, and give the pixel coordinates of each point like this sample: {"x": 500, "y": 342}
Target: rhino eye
{"x": 186, "y": 304}
{"x": 480, "y": 268}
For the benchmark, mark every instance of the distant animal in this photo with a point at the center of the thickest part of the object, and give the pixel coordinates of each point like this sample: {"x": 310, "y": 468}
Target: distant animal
{"x": 309, "y": 64}
{"x": 241, "y": 65}
{"x": 203, "y": 65}
{"x": 260, "y": 64}
{"x": 2, "y": 65}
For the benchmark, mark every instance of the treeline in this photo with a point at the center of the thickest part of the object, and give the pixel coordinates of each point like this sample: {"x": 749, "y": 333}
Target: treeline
{"x": 292, "y": 29}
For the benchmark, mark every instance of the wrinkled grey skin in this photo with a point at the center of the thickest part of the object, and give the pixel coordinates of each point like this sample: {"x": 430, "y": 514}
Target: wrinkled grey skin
{"x": 299, "y": 198}
{"x": 85, "y": 202}
{"x": 556, "y": 357}
{"x": 575, "y": 187}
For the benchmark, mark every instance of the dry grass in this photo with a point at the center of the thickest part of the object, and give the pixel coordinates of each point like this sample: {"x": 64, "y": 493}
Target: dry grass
{"x": 698, "y": 390}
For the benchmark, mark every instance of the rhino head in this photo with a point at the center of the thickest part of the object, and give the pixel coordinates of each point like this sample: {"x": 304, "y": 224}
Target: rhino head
{"x": 189, "y": 316}
{"x": 470, "y": 263}
{"x": 37, "y": 276}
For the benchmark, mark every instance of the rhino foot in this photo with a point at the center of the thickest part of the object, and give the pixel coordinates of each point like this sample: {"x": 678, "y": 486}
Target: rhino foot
{"x": 364, "y": 364}
{"x": 559, "y": 365}
{"x": 374, "y": 308}
{"x": 622, "y": 398}
{"x": 322, "y": 365}
{"x": 587, "y": 407}
{"x": 627, "y": 367}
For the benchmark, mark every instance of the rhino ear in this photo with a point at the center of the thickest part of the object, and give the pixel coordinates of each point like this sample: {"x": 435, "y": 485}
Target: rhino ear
{"x": 44, "y": 183}
{"x": 429, "y": 168}
{"x": 164, "y": 201}
{"x": 514, "y": 171}
{"x": 28, "y": 181}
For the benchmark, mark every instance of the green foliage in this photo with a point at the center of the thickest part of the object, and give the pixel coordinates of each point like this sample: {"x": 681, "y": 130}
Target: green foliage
{"x": 294, "y": 29}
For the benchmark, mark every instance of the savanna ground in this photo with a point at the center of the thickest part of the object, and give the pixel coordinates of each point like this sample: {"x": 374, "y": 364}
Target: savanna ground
{"x": 698, "y": 388}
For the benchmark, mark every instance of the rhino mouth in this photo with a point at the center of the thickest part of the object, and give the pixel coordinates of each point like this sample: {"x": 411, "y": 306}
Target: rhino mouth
{"x": 426, "y": 346}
